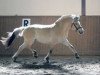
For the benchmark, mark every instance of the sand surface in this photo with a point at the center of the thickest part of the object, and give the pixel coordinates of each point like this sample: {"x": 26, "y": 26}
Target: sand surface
{"x": 59, "y": 65}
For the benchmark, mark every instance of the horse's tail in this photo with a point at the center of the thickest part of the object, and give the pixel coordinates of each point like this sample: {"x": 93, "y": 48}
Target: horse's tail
{"x": 11, "y": 36}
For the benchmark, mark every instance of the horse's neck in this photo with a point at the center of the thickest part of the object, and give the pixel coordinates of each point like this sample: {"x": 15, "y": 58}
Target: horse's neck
{"x": 63, "y": 28}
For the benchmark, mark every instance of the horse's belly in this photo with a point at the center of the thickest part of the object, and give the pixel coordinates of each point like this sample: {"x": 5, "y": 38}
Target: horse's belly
{"x": 44, "y": 40}
{"x": 46, "y": 36}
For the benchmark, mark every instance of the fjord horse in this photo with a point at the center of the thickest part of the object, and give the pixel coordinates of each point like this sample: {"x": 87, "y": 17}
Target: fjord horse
{"x": 48, "y": 34}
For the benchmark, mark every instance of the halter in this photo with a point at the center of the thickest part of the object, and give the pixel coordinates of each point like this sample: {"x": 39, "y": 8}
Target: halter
{"x": 77, "y": 28}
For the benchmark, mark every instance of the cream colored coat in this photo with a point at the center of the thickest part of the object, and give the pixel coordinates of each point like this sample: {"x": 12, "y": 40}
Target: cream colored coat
{"x": 48, "y": 34}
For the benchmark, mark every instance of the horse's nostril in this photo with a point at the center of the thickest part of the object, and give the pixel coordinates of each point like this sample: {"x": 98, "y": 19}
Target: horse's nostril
{"x": 81, "y": 32}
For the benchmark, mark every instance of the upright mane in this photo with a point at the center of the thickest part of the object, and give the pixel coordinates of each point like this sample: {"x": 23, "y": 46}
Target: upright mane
{"x": 73, "y": 17}
{"x": 61, "y": 18}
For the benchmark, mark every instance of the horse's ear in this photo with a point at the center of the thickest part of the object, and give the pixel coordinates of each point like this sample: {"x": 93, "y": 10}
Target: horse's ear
{"x": 76, "y": 18}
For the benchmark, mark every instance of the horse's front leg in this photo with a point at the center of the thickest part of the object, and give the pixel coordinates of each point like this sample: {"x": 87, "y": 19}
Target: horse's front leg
{"x": 71, "y": 47}
{"x": 48, "y": 56}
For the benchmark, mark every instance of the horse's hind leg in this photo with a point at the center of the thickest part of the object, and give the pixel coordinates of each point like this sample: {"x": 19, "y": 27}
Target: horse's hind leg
{"x": 29, "y": 38}
{"x": 19, "y": 50}
{"x": 29, "y": 44}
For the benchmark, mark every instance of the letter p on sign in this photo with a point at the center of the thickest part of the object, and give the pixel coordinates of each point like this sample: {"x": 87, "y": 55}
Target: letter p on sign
{"x": 26, "y": 22}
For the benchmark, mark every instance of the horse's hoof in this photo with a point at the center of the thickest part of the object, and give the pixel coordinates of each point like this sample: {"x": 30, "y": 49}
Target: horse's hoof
{"x": 77, "y": 56}
{"x": 46, "y": 62}
{"x": 46, "y": 59}
{"x": 35, "y": 54}
{"x": 14, "y": 59}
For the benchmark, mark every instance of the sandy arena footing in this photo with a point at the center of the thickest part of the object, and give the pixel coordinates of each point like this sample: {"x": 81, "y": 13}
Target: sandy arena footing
{"x": 59, "y": 65}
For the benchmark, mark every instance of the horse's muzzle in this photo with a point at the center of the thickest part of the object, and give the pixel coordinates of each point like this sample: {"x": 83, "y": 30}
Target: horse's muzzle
{"x": 81, "y": 31}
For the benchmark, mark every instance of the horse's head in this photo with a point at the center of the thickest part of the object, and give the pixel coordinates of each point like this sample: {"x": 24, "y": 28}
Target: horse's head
{"x": 76, "y": 23}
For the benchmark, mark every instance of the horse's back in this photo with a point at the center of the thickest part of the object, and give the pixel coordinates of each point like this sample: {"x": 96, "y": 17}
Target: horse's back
{"x": 40, "y": 26}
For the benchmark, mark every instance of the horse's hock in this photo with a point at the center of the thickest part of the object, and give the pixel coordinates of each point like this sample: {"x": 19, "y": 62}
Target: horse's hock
{"x": 87, "y": 44}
